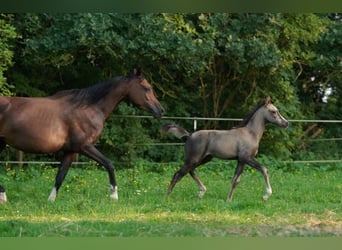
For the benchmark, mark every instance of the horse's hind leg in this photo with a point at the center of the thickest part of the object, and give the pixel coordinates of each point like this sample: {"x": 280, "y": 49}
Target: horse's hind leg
{"x": 61, "y": 173}
{"x": 202, "y": 188}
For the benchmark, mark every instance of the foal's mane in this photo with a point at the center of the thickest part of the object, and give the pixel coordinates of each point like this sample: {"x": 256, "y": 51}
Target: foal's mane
{"x": 92, "y": 94}
{"x": 249, "y": 115}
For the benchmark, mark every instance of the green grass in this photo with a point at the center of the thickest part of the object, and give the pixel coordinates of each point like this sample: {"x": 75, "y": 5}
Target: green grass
{"x": 306, "y": 201}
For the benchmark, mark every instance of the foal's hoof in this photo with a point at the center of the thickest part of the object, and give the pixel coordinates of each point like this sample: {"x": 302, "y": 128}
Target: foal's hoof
{"x": 3, "y": 197}
{"x": 265, "y": 197}
{"x": 201, "y": 194}
{"x": 268, "y": 194}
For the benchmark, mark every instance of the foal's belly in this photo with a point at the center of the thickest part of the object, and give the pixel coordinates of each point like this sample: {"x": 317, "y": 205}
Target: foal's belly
{"x": 223, "y": 149}
{"x": 223, "y": 152}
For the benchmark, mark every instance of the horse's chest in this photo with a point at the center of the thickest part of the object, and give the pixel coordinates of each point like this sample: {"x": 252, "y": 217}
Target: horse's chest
{"x": 248, "y": 148}
{"x": 86, "y": 127}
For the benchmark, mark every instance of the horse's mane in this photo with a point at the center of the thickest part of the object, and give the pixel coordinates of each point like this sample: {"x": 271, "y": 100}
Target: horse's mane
{"x": 249, "y": 115}
{"x": 89, "y": 95}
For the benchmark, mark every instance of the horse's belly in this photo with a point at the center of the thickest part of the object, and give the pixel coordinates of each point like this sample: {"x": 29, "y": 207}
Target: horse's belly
{"x": 36, "y": 142}
{"x": 36, "y": 146}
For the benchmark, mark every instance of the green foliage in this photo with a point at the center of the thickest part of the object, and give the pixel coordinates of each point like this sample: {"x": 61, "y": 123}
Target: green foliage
{"x": 206, "y": 65}
{"x": 7, "y": 36}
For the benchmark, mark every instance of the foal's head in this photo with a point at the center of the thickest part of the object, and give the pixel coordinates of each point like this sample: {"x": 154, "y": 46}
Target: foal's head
{"x": 141, "y": 94}
{"x": 273, "y": 115}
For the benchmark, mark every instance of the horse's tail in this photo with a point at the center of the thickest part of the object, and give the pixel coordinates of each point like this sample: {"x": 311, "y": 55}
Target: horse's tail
{"x": 174, "y": 129}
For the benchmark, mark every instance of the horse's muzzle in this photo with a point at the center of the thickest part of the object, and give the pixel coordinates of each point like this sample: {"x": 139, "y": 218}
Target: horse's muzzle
{"x": 157, "y": 110}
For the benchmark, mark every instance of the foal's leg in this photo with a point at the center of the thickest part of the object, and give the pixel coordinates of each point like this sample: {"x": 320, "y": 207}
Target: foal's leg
{"x": 3, "y": 196}
{"x": 236, "y": 179}
{"x": 189, "y": 167}
{"x": 202, "y": 188}
{"x": 96, "y": 155}
{"x": 176, "y": 178}
{"x": 66, "y": 161}
{"x": 253, "y": 163}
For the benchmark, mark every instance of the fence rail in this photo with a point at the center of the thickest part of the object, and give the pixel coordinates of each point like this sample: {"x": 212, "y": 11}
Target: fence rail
{"x": 153, "y": 163}
{"x": 195, "y": 119}
{"x": 218, "y": 119}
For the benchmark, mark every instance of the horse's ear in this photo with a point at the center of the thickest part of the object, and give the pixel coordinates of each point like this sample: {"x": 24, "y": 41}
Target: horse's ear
{"x": 137, "y": 72}
{"x": 268, "y": 100}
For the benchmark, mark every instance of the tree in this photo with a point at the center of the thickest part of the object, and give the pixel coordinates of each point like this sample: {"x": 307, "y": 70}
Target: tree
{"x": 7, "y": 36}
{"x": 207, "y": 64}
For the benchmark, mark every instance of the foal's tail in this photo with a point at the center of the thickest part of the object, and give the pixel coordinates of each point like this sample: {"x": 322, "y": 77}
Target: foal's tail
{"x": 174, "y": 129}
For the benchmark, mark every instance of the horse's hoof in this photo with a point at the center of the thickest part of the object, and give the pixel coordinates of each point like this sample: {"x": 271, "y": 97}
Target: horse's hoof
{"x": 53, "y": 194}
{"x": 3, "y": 197}
{"x": 114, "y": 195}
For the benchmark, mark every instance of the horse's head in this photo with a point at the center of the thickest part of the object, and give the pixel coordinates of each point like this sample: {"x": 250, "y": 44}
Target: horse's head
{"x": 141, "y": 94}
{"x": 273, "y": 115}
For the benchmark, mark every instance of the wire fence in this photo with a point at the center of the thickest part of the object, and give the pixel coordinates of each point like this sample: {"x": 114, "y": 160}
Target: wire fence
{"x": 195, "y": 124}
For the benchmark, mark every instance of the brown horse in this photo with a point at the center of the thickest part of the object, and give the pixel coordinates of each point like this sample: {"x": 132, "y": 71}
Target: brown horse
{"x": 70, "y": 122}
{"x": 239, "y": 143}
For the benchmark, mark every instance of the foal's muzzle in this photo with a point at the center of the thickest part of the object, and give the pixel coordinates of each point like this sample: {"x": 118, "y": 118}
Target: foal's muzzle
{"x": 284, "y": 123}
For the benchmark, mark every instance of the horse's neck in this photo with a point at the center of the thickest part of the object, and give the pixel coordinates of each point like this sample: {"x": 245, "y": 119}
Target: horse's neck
{"x": 256, "y": 125}
{"x": 113, "y": 98}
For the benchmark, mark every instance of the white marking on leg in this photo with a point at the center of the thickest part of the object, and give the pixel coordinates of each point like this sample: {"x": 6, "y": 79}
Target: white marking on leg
{"x": 114, "y": 195}
{"x": 3, "y": 197}
{"x": 53, "y": 194}
{"x": 202, "y": 191}
{"x": 268, "y": 193}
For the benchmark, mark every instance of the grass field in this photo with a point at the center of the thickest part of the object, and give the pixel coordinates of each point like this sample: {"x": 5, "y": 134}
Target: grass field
{"x": 306, "y": 201}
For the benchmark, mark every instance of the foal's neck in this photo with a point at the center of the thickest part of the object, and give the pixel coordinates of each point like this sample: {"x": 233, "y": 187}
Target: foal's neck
{"x": 256, "y": 125}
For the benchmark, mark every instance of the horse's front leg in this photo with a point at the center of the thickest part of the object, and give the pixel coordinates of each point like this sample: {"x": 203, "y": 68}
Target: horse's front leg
{"x": 253, "y": 163}
{"x": 3, "y": 197}
{"x": 97, "y": 156}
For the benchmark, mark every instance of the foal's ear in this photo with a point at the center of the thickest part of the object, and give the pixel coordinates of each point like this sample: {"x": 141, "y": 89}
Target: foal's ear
{"x": 268, "y": 100}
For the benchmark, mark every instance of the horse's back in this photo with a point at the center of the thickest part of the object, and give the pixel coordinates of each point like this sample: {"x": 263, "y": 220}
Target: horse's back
{"x": 4, "y": 104}
{"x": 32, "y": 124}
